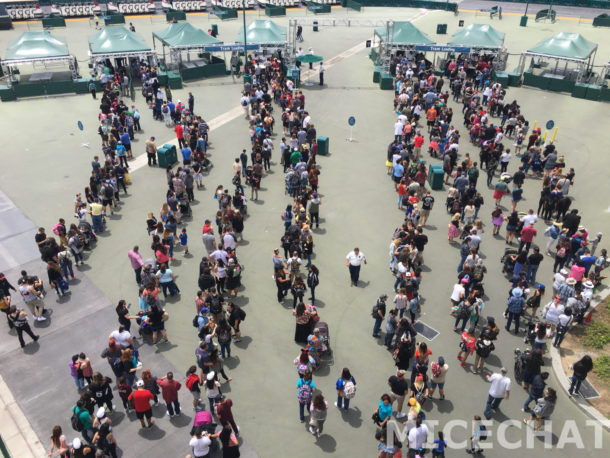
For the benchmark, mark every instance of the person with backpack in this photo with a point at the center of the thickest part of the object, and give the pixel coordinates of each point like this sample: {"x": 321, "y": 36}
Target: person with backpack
{"x": 81, "y": 421}
{"x": 378, "y": 314}
{"x": 305, "y": 387}
{"x": 19, "y": 319}
{"x": 346, "y": 389}
{"x": 464, "y": 312}
{"x": 439, "y": 371}
{"x": 223, "y": 333}
{"x": 479, "y": 433}
{"x": 233, "y": 281}
{"x": 193, "y": 384}
{"x": 483, "y": 348}
{"x": 313, "y": 281}
{"x": 467, "y": 345}
{"x": 105, "y": 441}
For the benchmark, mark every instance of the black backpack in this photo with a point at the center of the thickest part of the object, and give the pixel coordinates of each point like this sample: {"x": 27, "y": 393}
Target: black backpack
{"x": 196, "y": 321}
{"x": 108, "y": 192}
{"x": 215, "y": 306}
{"x": 482, "y": 433}
{"x": 77, "y": 425}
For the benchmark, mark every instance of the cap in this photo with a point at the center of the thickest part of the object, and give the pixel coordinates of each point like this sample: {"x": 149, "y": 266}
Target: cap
{"x": 140, "y": 383}
{"x": 564, "y": 272}
{"x": 588, "y": 284}
{"x": 503, "y": 370}
{"x": 101, "y": 411}
{"x": 420, "y": 377}
{"x": 441, "y": 361}
{"x": 76, "y": 443}
{"x": 383, "y": 296}
{"x": 491, "y": 320}
{"x": 211, "y": 375}
{"x": 517, "y": 292}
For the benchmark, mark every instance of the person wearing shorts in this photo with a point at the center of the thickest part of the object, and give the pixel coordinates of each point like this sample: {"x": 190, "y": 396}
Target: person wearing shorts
{"x": 141, "y": 401}
{"x": 235, "y": 318}
{"x": 438, "y": 380}
{"x": 399, "y": 389}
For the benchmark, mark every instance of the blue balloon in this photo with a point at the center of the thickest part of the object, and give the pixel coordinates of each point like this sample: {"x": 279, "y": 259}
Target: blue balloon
{"x": 550, "y": 125}
{"x": 80, "y": 125}
{"x": 351, "y": 121}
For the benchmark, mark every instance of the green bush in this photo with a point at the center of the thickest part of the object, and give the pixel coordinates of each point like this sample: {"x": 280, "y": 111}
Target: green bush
{"x": 601, "y": 367}
{"x": 597, "y": 335}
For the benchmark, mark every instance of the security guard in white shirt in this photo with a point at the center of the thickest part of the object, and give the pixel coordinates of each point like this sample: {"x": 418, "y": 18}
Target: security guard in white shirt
{"x": 353, "y": 260}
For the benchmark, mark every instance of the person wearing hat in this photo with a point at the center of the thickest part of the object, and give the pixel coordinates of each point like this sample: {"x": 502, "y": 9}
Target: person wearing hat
{"x": 563, "y": 325}
{"x": 567, "y": 290}
{"x": 500, "y": 389}
{"x": 552, "y": 233}
{"x": 552, "y": 311}
{"x": 378, "y": 314}
{"x": 141, "y": 401}
{"x": 79, "y": 449}
{"x": 516, "y": 305}
{"x": 399, "y": 388}
{"x": 483, "y": 348}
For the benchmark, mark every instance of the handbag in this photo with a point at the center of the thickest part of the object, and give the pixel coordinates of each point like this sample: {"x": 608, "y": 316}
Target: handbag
{"x": 376, "y": 418}
{"x": 127, "y": 178}
{"x": 64, "y": 284}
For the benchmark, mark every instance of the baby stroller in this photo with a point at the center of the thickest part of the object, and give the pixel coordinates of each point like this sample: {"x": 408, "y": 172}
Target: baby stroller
{"x": 324, "y": 334}
{"x": 86, "y": 233}
{"x": 506, "y": 260}
{"x": 520, "y": 358}
{"x": 185, "y": 207}
{"x": 249, "y": 175}
{"x": 530, "y": 333}
{"x": 203, "y": 422}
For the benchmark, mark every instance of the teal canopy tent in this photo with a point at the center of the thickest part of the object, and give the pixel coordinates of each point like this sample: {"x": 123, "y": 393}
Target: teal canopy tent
{"x": 116, "y": 42}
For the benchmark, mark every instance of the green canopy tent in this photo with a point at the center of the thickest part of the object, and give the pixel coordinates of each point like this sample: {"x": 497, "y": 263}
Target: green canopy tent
{"x": 182, "y": 37}
{"x": 482, "y": 39}
{"x": 403, "y": 34}
{"x": 573, "y": 49}
{"x": 39, "y": 48}
{"x": 263, "y": 32}
{"x": 480, "y": 36}
{"x": 118, "y": 42}
{"x": 396, "y": 37}
{"x": 310, "y": 58}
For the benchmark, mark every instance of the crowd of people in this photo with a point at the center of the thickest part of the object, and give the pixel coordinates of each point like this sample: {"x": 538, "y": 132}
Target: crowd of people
{"x": 491, "y": 123}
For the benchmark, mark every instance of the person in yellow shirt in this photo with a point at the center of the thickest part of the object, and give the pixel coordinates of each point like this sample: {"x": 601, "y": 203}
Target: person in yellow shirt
{"x": 96, "y": 211}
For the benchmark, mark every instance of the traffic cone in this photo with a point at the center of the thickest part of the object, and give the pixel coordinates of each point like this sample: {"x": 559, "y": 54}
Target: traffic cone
{"x": 589, "y": 316}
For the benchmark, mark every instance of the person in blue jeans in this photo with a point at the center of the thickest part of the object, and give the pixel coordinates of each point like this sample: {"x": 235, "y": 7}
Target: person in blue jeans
{"x": 342, "y": 400}
{"x": 305, "y": 387}
{"x": 500, "y": 389}
{"x": 536, "y": 391}
{"x": 379, "y": 314}
{"x": 533, "y": 263}
{"x": 516, "y": 306}
{"x": 390, "y": 328}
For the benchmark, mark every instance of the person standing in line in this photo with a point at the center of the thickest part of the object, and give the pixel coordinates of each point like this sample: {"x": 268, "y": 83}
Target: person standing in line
{"x": 136, "y": 262}
{"x": 59, "y": 446}
{"x": 544, "y": 408}
{"x": 141, "y": 401}
{"x": 32, "y": 298}
{"x": 225, "y": 415}
{"x": 169, "y": 391}
{"x": 536, "y": 391}
{"x": 5, "y": 298}
{"x": 439, "y": 371}
{"x": 191, "y": 102}
{"x": 312, "y": 281}
{"x": 378, "y": 314}
{"x": 533, "y": 263}
{"x": 322, "y": 70}
{"x": 527, "y": 236}
{"x": 314, "y": 209}
{"x": 483, "y": 349}
{"x": 399, "y": 388}
{"x": 85, "y": 420}
{"x": 19, "y": 320}
{"x": 353, "y": 261}
{"x": 318, "y": 410}
{"x": 346, "y": 389}
{"x": 516, "y": 306}
{"x": 500, "y": 389}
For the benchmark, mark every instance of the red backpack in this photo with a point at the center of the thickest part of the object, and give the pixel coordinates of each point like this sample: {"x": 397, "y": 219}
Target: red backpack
{"x": 191, "y": 380}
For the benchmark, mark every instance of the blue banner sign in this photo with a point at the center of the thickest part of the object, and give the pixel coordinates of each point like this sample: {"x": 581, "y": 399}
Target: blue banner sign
{"x": 235, "y": 47}
{"x": 441, "y": 48}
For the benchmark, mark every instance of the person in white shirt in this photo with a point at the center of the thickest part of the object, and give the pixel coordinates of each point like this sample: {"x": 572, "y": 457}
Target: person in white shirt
{"x": 200, "y": 443}
{"x": 529, "y": 219}
{"x": 306, "y": 120}
{"x": 122, "y": 337}
{"x": 398, "y": 127}
{"x": 353, "y": 260}
{"x": 321, "y": 70}
{"x": 500, "y": 389}
{"x": 418, "y": 437}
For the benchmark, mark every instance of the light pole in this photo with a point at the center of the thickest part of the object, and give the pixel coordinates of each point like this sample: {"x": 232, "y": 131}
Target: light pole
{"x": 246, "y": 75}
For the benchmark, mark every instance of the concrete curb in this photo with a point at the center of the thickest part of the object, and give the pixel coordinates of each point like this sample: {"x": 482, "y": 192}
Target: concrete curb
{"x": 17, "y": 433}
{"x": 564, "y": 382}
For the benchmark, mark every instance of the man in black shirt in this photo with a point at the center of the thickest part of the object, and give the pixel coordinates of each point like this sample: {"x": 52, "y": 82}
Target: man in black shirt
{"x": 533, "y": 262}
{"x": 41, "y": 239}
{"x": 427, "y": 204}
{"x": 420, "y": 240}
{"x": 236, "y": 316}
{"x": 399, "y": 388}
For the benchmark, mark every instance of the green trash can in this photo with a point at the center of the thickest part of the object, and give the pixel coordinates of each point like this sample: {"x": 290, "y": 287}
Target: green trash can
{"x": 214, "y": 30}
{"x": 441, "y": 29}
{"x": 166, "y": 156}
{"x": 435, "y": 176}
{"x": 247, "y": 78}
{"x": 315, "y": 26}
{"x": 323, "y": 146}
{"x": 523, "y": 21}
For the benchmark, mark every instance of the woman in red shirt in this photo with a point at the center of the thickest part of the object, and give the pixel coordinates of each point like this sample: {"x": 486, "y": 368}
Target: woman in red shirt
{"x": 162, "y": 254}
